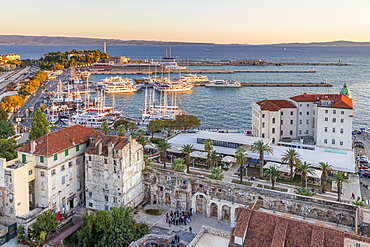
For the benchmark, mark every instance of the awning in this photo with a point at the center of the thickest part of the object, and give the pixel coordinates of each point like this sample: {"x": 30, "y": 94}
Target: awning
{"x": 228, "y": 159}
{"x": 198, "y": 154}
{"x": 280, "y": 167}
{"x": 175, "y": 150}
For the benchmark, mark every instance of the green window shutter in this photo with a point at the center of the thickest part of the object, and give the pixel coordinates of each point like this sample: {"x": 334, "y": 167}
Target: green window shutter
{"x": 87, "y": 143}
{"x": 55, "y": 156}
{"x": 42, "y": 159}
{"x": 77, "y": 148}
{"x": 66, "y": 152}
{"x": 24, "y": 158}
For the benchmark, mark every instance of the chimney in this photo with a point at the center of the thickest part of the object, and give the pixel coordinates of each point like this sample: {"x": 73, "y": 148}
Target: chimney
{"x": 100, "y": 148}
{"x": 33, "y": 146}
{"x": 110, "y": 149}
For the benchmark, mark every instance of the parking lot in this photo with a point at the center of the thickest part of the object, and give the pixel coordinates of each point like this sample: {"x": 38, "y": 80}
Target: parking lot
{"x": 362, "y": 150}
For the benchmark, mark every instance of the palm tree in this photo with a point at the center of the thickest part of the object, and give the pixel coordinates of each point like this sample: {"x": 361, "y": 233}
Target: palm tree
{"x": 139, "y": 135}
{"x": 326, "y": 168}
{"x": 213, "y": 158}
{"x": 187, "y": 150}
{"x": 163, "y": 146}
{"x": 217, "y": 173}
{"x": 292, "y": 158}
{"x": 261, "y": 148}
{"x": 305, "y": 169}
{"x": 240, "y": 157}
{"x": 303, "y": 191}
{"x": 272, "y": 173}
{"x": 208, "y": 147}
{"x": 339, "y": 179}
{"x": 147, "y": 160}
{"x": 178, "y": 165}
{"x": 105, "y": 127}
{"x": 121, "y": 130}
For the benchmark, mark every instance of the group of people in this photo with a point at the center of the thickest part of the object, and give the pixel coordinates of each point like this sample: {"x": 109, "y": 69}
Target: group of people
{"x": 179, "y": 218}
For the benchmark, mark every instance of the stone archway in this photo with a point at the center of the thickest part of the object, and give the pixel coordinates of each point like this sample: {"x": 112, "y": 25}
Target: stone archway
{"x": 200, "y": 202}
{"x": 213, "y": 210}
{"x": 225, "y": 215}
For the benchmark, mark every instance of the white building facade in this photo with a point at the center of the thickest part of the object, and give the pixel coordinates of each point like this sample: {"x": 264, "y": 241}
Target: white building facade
{"x": 113, "y": 172}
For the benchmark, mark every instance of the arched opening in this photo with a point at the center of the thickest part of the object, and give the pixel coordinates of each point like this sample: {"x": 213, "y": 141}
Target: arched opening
{"x": 214, "y": 210}
{"x": 200, "y": 203}
{"x": 168, "y": 199}
{"x": 225, "y": 212}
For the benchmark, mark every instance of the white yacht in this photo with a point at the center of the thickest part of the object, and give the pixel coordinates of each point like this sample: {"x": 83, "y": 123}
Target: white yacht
{"x": 193, "y": 78}
{"x": 117, "y": 84}
{"x": 224, "y": 83}
{"x": 94, "y": 117}
{"x": 173, "y": 86}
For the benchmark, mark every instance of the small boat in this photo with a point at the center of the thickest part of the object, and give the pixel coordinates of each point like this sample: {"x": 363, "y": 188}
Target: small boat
{"x": 224, "y": 83}
{"x": 172, "y": 86}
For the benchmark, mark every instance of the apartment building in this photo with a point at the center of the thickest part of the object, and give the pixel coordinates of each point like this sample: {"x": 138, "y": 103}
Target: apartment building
{"x": 113, "y": 172}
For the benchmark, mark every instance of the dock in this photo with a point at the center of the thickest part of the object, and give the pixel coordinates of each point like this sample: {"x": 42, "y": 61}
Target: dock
{"x": 285, "y": 84}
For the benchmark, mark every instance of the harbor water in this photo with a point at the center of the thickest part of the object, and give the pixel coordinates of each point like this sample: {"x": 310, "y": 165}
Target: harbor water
{"x": 231, "y": 107}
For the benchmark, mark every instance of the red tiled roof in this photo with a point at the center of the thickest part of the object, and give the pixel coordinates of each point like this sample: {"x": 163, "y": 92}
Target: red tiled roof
{"x": 117, "y": 142}
{"x": 339, "y": 100}
{"x": 59, "y": 140}
{"x": 275, "y": 105}
{"x": 267, "y": 229}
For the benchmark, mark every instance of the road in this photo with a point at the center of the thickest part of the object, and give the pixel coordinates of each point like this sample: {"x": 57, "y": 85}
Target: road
{"x": 14, "y": 75}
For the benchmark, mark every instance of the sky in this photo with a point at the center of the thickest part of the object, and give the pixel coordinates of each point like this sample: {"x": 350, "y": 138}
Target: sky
{"x": 211, "y": 21}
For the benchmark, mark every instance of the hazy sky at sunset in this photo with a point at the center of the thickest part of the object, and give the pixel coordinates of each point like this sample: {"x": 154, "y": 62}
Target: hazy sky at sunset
{"x": 216, "y": 21}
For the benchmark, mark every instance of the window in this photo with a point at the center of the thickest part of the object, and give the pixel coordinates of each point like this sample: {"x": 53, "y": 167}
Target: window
{"x": 342, "y": 112}
{"x": 291, "y": 132}
{"x": 70, "y": 175}
{"x": 291, "y": 121}
{"x": 78, "y": 160}
{"x": 273, "y": 120}
{"x": 53, "y": 185}
{"x": 300, "y": 121}
{"x": 326, "y": 119}
{"x": 326, "y": 111}
{"x": 326, "y": 129}
{"x": 333, "y": 130}
{"x": 42, "y": 174}
{"x": 77, "y": 148}
{"x": 308, "y": 113}
{"x": 273, "y": 130}
{"x": 62, "y": 168}
{"x": 63, "y": 179}
{"x": 300, "y": 113}
{"x": 105, "y": 161}
{"x": 313, "y": 113}
{"x": 326, "y": 141}
{"x": 106, "y": 198}
{"x": 78, "y": 173}
{"x": 300, "y": 105}
{"x": 66, "y": 152}
{"x": 341, "y": 143}
{"x": 263, "y": 135}
{"x": 334, "y": 111}
{"x": 90, "y": 204}
{"x": 90, "y": 193}
{"x": 70, "y": 164}
{"x": 334, "y": 120}
{"x": 30, "y": 172}
{"x": 106, "y": 208}
{"x": 41, "y": 159}
{"x": 341, "y": 120}
{"x": 24, "y": 158}
{"x": 300, "y": 132}
{"x": 281, "y": 133}
{"x": 281, "y": 113}
{"x": 281, "y": 122}
{"x": 78, "y": 185}
{"x": 291, "y": 113}
{"x": 160, "y": 188}
{"x": 333, "y": 141}
{"x": 115, "y": 199}
{"x": 53, "y": 172}
{"x": 42, "y": 186}
{"x": 306, "y": 132}
{"x": 55, "y": 156}
{"x": 307, "y": 121}
{"x": 263, "y": 115}
{"x": 89, "y": 157}
{"x": 341, "y": 131}
{"x": 263, "y": 125}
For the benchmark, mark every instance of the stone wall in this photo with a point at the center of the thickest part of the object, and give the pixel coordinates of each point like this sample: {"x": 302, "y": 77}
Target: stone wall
{"x": 160, "y": 240}
{"x": 221, "y": 199}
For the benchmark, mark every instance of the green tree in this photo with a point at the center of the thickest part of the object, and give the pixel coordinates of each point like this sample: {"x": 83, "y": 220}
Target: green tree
{"x": 261, "y": 148}
{"x": 326, "y": 168}
{"x": 208, "y": 147}
{"x": 6, "y": 129}
{"x": 45, "y": 222}
{"x": 114, "y": 228}
{"x": 129, "y": 125}
{"x": 178, "y": 165}
{"x": 155, "y": 126}
{"x": 240, "y": 157}
{"x": 303, "y": 191}
{"x": 272, "y": 173}
{"x": 3, "y": 114}
{"x": 7, "y": 147}
{"x": 140, "y": 137}
{"x": 121, "y": 130}
{"x": 187, "y": 150}
{"x": 217, "y": 173}
{"x": 163, "y": 146}
{"x": 147, "y": 160}
{"x": 213, "y": 158}
{"x": 187, "y": 122}
{"x": 339, "y": 179}
{"x": 39, "y": 125}
{"x": 292, "y": 158}
{"x": 305, "y": 169}
{"x": 105, "y": 127}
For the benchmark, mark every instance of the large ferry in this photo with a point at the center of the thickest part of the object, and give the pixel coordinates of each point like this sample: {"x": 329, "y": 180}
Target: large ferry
{"x": 224, "y": 83}
{"x": 117, "y": 84}
{"x": 94, "y": 117}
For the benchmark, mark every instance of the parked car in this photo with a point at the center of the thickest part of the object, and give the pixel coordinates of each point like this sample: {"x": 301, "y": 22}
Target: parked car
{"x": 359, "y": 144}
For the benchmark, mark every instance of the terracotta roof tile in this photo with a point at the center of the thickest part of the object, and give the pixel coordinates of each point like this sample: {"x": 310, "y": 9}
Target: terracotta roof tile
{"x": 339, "y": 100}
{"x": 275, "y": 105}
{"x": 104, "y": 140}
{"x": 59, "y": 140}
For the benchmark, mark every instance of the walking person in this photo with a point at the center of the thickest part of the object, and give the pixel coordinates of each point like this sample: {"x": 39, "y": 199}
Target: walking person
{"x": 190, "y": 229}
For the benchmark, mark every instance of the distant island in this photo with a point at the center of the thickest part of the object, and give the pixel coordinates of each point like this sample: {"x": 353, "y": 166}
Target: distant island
{"x": 49, "y": 40}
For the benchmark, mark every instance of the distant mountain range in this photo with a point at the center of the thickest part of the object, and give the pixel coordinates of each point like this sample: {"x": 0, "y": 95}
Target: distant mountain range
{"x": 48, "y": 40}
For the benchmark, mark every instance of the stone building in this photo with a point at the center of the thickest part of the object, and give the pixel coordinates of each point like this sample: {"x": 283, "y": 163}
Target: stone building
{"x": 113, "y": 172}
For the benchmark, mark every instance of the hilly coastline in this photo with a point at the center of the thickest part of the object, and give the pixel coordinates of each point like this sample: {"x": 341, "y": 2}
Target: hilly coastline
{"x": 49, "y": 40}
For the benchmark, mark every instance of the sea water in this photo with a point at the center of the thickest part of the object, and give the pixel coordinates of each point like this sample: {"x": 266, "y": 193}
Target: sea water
{"x": 231, "y": 107}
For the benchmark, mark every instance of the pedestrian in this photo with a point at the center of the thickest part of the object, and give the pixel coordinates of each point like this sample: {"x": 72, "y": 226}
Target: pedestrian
{"x": 358, "y": 198}
{"x": 190, "y": 229}
{"x": 353, "y": 196}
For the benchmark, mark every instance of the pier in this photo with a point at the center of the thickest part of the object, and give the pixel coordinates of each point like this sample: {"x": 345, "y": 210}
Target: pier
{"x": 285, "y": 84}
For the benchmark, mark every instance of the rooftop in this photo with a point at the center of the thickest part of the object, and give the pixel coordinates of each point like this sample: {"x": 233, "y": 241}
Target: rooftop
{"x": 59, "y": 140}
{"x": 327, "y": 100}
{"x": 275, "y": 105}
{"x": 98, "y": 139}
{"x": 230, "y": 137}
